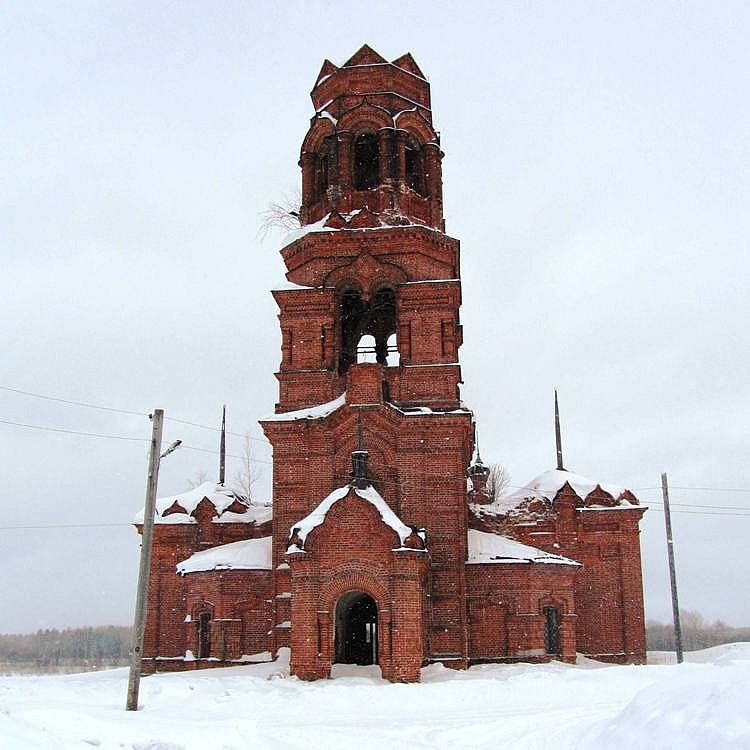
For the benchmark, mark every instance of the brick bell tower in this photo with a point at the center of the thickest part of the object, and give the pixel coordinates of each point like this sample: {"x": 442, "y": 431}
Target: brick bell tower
{"x": 370, "y": 439}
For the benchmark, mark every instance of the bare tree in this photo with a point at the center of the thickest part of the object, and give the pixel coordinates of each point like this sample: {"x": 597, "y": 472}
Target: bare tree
{"x": 498, "y": 482}
{"x": 248, "y": 473}
{"x": 282, "y": 215}
{"x": 198, "y": 478}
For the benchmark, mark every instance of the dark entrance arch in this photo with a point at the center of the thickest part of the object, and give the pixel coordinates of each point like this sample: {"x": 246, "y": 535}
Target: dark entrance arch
{"x": 356, "y": 639}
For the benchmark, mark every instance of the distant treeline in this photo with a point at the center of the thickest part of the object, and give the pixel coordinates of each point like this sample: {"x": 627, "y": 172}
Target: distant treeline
{"x": 696, "y": 633}
{"x": 101, "y": 646}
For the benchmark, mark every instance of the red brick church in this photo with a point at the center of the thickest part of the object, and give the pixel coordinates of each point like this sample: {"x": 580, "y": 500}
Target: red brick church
{"x": 381, "y": 545}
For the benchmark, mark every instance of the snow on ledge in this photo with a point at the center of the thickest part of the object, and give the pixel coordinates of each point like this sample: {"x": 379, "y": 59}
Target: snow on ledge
{"x": 312, "y": 412}
{"x": 249, "y": 554}
{"x": 493, "y": 548}
{"x": 317, "y": 226}
{"x": 302, "y": 528}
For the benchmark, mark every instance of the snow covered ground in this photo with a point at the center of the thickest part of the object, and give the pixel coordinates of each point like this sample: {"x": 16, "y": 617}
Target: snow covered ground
{"x": 702, "y": 704}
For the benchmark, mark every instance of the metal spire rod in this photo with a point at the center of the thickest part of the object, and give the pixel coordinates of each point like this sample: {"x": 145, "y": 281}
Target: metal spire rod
{"x": 558, "y": 440}
{"x": 476, "y": 444}
{"x": 223, "y": 445}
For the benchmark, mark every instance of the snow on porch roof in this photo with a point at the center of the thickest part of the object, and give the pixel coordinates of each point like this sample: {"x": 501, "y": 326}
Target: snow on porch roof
{"x": 312, "y": 412}
{"x": 493, "y": 548}
{"x": 547, "y": 485}
{"x": 249, "y": 554}
{"x": 221, "y": 497}
{"x": 318, "y": 516}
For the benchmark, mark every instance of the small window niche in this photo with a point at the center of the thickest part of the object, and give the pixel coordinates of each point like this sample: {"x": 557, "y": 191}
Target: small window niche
{"x": 204, "y": 635}
{"x": 552, "y": 630}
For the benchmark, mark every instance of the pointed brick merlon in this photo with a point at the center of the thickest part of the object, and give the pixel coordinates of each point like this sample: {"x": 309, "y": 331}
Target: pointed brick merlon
{"x": 368, "y": 72}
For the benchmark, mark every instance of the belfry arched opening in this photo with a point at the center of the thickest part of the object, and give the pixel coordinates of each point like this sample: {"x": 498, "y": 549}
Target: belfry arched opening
{"x": 356, "y": 639}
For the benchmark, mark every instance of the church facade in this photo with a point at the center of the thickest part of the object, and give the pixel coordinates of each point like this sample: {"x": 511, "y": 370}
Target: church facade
{"x": 381, "y": 545}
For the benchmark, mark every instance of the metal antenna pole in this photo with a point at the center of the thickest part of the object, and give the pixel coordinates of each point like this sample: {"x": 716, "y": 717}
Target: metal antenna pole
{"x": 223, "y": 445}
{"x": 672, "y": 577}
{"x": 139, "y": 621}
{"x": 558, "y": 439}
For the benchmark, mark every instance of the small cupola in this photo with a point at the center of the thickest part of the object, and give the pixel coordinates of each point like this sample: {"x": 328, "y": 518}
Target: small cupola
{"x": 478, "y": 474}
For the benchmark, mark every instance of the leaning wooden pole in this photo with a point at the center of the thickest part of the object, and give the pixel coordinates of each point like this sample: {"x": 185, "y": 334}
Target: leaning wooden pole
{"x": 672, "y": 577}
{"x": 139, "y": 620}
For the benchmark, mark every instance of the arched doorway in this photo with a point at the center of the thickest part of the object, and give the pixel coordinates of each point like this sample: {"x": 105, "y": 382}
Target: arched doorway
{"x": 356, "y": 639}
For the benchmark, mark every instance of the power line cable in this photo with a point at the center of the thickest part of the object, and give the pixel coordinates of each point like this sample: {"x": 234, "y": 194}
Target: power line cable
{"x": 74, "y": 403}
{"x": 130, "y": 412}
{"x": 230, "y": 455}
{"x": 697, "y": 489}
{"x": 72, "y": 432}
{"x": 46, "y": 428}
{"x": 215, "y": 429}
{"x": 67, "y": 526}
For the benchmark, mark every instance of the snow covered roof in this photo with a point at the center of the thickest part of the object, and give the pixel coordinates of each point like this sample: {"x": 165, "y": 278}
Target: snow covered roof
{"x": 249, "y": 554}
{"x": 302, "y": 528}
{"x": 547, "y": 485}
{"x": 418, "y": 410}
{"x": 312, "y": 412}
{"x": 493, "y": 548}
{"x": 175, "y": 509}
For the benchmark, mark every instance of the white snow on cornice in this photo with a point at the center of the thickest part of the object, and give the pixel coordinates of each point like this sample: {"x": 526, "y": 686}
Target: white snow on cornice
{"x": 249, "y": 554}
{"x": 318, "y": 226}
{"x": 493, "y": 548}
{"x": 324, "y": 113}
{"x": 290, "y": 286}
{"x": 303, "y": 527}
{"x": 311, "y": 412}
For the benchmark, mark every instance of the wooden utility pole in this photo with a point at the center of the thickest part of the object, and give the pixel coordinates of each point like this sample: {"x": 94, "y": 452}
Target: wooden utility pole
{"x": 672, "y": 578}
{"x": 139, "y": 621}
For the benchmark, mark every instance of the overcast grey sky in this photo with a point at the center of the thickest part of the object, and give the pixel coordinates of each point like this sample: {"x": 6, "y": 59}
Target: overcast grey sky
{"x": 596, "y": 173}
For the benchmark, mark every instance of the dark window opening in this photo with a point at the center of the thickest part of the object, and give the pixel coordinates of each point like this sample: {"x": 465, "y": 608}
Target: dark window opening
{"x": 325, "y": 168}
{"x": 382, "y": 323}
{"x": 358, "y": 318}
{"x": 204, "y": 635}
{"x": 551, "y": 630}
{"x": 366, "y": 161}
{"x": 353, "y": 318}
{"x": 356, "y": 637}
{"x": 415, "y": 168}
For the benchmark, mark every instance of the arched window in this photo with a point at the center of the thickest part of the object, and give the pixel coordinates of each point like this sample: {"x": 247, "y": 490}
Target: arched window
{"x": 358, "y": 318}
{"x": 366, "y": 161}
{"x": 325, "y": 168}
{"x": 415, "y": 167}
{"x": 382, "y": 321}
{"x": 352, "y": 320}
